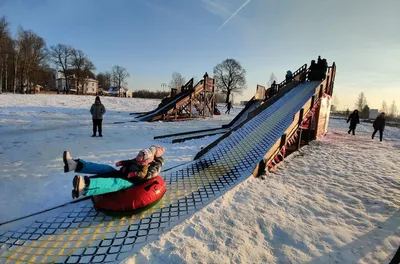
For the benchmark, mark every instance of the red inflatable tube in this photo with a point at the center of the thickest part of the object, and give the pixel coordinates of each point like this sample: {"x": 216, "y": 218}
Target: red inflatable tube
{"x": 133, "y": 198}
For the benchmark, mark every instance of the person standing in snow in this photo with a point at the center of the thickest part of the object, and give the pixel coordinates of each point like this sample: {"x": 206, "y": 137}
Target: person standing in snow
{"x": 289, "y": 76}
{"x": 228, "y": 107}
{"x": 354, "y": 119}
{"x": 106, "y": 178}
{"x": 97, "y": 110}
{"x": 379, "y": 124}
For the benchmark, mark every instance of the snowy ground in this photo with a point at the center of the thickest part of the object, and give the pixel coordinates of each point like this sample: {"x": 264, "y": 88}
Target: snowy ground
{"x": 337, "y": 201}
{"x": 36, "y": 129}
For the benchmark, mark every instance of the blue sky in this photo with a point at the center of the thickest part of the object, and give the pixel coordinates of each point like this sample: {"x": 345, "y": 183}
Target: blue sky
{"x": 154, "y": 38}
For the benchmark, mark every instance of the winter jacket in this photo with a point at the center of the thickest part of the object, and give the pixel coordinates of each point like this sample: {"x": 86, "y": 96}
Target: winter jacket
{"x": 354, "y": 120}
{"x": 289, "y": 76}
{"x": 379, "y": 123}
{"x": 97, "y": 110}
{"x": 136, "y": 171}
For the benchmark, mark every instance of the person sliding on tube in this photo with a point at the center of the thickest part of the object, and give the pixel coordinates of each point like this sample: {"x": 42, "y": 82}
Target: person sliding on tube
{"x": 106, "y": 178}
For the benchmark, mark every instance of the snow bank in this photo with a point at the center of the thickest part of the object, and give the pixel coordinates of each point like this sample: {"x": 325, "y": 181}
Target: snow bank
{"x": 337, "y": 201}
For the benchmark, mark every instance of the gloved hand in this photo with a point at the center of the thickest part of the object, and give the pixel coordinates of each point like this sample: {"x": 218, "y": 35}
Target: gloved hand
{"x": 118, "y": 164}
{"x": 131, "y": 174}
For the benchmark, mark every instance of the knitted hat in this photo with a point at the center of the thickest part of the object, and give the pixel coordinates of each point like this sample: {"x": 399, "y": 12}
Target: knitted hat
{"x": 145, "y": 156}
{"x": 157, "y": 150}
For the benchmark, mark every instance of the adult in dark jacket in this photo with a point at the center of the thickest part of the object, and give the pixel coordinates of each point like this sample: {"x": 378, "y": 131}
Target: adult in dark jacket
{"x": 271, "y": 91}
{"x": 97, "y": 110}
{"x": 379, "y": 125}
{"x": 289, "y": 76}
{"x": 228, "y": 107}
{"x": 354, "y": 119}
{"x": 311, "y": 70}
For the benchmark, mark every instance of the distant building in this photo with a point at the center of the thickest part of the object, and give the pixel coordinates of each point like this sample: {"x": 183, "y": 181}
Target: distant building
{"x": 121, "y": 92}
{"x": 38, "y": 88}
{"x": 128, "y": 93}
{"x": 91, "y": 86}
{"x": 373, "y": 113}
{"x": 62, "y": 83}
{"x": 54, "y": 76}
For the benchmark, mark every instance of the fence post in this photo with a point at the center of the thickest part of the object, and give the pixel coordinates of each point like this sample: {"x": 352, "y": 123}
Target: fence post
{"x": 310, "y": 119}
{"x": 283, "y": 143}
{"x": 301, "y": 130}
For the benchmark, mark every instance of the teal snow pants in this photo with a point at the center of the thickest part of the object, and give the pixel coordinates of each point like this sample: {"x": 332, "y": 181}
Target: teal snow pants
{"x": 107, "y": 179}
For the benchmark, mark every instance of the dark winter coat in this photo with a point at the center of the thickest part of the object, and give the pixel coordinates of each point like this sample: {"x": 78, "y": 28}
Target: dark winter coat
{"x": 354, "y": 120}
{"x": 97, "y": 110}
{"x": 379, "y": 123}
{"x": 289, "y": 76}
{"x": 141, "y": 172}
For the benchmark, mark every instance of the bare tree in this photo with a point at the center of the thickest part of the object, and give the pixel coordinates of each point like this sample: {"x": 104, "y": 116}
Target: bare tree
{"x": 82, "y": 66}
{"x": 384, "y": 107}
{"x": 119, "y": 75}
{"x": 5, "y": 51}
{"x": 177, "y": 81}
{"x": 100, "y": 78}
{"x": 365, "y": 111}
{"x": 361, "y": 102}
{"x": 61, "y": 56}
{"x": 4, "y": 28}
{"x": 230, "y": 78}
{"x": 393, "y": 109}
{"x": 107, "y": 80}
{"x": 272, "y": 78}
{"x": 32, "y": 57}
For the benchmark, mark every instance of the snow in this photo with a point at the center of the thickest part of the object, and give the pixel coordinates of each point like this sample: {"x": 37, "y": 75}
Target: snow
{"x": 335, "y": 201}
{"x": 36, "y": 129}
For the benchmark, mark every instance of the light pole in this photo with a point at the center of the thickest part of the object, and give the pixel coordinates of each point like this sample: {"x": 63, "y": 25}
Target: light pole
{"x": 163, "y": 85}
{"x": 6, "y": 70}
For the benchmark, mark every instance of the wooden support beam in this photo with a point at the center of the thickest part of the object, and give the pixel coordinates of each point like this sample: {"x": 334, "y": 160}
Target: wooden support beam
{"x": 283, "y": 143}
{"x": 191, "y": 105}
{"x": 301, "y": 130}
{"x": 309, "y": 130}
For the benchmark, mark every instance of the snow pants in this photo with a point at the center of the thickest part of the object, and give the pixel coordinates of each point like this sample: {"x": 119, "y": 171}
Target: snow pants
{"x": 106, "y": 179}
{"x": 97, "y": 125}
{"x": 380, "y": 133}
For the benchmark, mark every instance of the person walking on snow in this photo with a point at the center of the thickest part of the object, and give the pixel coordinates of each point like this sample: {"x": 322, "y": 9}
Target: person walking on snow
{"x": 354, "y": 119}
{"x": 106, "y": 178}
{"x": 379, "y": 124}
{"x": 97, "y": 110}
{"x": 228, "y": 107}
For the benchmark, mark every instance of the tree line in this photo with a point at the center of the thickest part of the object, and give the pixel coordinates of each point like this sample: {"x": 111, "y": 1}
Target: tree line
{"x": 362, "y": 106}
{"x": 230, "y": 79}
{"x": 25, "y": 62}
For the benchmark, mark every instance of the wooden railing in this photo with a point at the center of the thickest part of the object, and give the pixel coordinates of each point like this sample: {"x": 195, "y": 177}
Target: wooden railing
{"x": 297, "y": 76}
